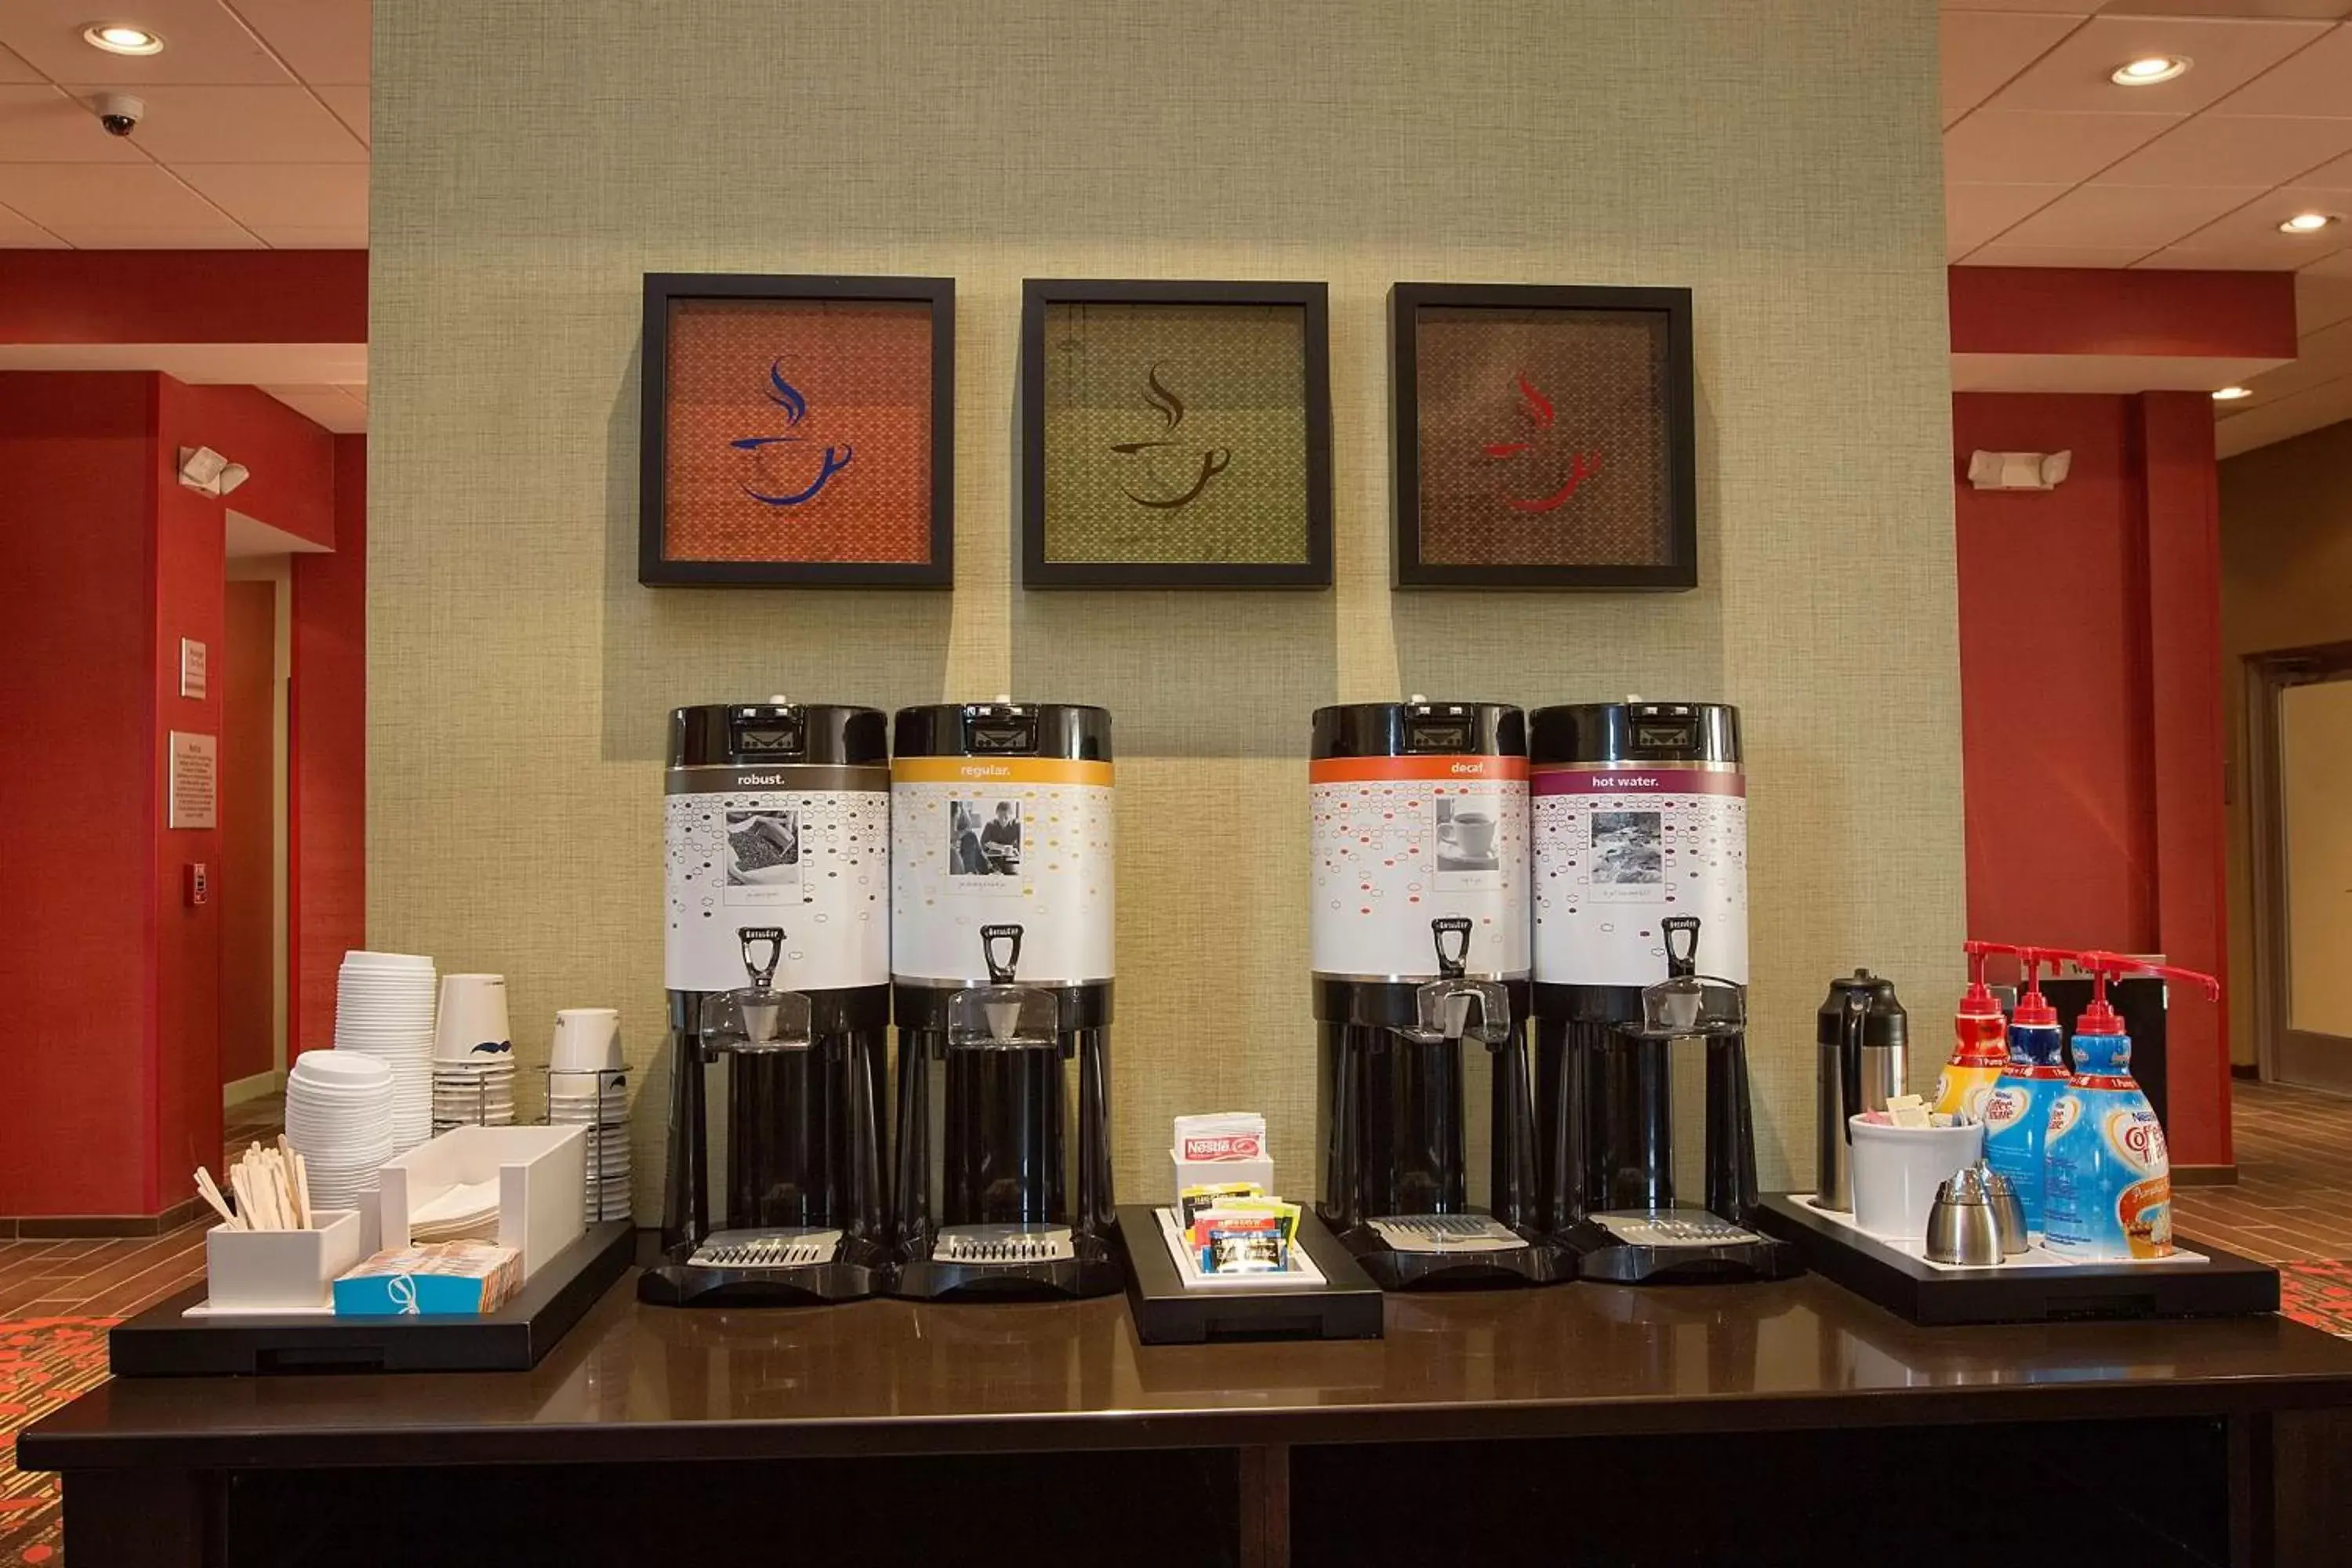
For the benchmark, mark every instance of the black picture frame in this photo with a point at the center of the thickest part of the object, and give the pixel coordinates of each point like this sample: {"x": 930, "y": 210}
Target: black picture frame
{"x": 1038, "y": 295}
{"x": 662, "y": 289}
{"x": 1408, "y": 569}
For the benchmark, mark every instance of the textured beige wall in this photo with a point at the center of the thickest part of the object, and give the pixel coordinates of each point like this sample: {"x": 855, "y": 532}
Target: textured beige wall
{"x": 2286, "y": 556}
{"x": 532, "y": 160}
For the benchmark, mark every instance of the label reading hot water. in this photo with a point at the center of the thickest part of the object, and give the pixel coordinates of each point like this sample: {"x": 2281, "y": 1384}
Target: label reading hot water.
{"x": 985, "y": 841}
{"x": 746, "y": 850}
{"x": 1401, "y": 842}
{"x": 1617, "y": 850}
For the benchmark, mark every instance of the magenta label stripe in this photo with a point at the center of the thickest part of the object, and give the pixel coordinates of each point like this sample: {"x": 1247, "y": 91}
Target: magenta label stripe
{"x": 1630, "y": 781}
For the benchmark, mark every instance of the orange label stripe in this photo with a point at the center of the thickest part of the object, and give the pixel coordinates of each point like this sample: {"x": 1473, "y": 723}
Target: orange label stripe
{"x": 1418, "y": 770}
{"x": 986, "y": 770}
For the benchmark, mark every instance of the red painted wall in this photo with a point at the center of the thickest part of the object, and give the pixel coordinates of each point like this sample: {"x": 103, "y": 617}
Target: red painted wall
{"x": 2053, "y": 710}
{"x": 189, "y": 567}
{"x": 245, "y": 667}
{"x": 76, "y": 639}
{"x": 292, "y": 460}
{"x": 327, "y": 914}
{"x": 183, "y": 296}
{"x": 2090, "y": 703}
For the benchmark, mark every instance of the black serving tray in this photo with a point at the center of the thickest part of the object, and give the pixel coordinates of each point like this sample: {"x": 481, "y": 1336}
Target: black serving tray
{"x": 2224, "y": 1285}
{"x": 160, "y": 1342}
{"x": 1347, "y": 1305}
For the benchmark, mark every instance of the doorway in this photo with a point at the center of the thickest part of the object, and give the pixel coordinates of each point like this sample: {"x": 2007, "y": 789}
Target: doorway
{"x": 250, "y": 889}
{"x": 2299, "y": 709}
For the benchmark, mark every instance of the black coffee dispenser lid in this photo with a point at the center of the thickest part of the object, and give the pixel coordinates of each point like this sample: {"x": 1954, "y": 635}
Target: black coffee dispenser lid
{"x": 1634, "y": 732}
{"x": 751, "y": 734}
{"x": 1005, "y": 728}
{"x": 1885, "y": 1022}
{"x": 1420, "y": 728}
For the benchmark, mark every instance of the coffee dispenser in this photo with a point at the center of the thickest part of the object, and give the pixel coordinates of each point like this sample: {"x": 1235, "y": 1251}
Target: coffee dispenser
{"x": 776, "y": 953}
{"x": 1862, "y": 1036}
{"x": 1420, "y": 937}
{"x": 1002, "y": 900}
{"x": 1639, "y": 829}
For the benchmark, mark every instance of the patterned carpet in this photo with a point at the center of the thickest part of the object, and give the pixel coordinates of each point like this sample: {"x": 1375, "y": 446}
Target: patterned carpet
{"x": 44, "y": 1363}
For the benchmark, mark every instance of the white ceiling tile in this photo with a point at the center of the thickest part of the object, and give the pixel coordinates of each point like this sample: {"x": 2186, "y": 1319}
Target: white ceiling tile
{"x": 2215, "y": 149}
{"x": 2334, "y": 177}
{"x": 1982, "y": 50}
{"x": 326, "y": 41}
{"x": 2066, "y": 7}
{"x": 316, "y": 196}
{"x": 2259, "y": 422}
{"x": 2001, "y": 147}
{"x": 70, "y": 199}
{"x": 2002, "y": 254}
{"x": 2321, "y": 356}
{"x": 20, "y": 233}
{"x": 48, "y": 125}
{"x": 243, "y": 125}
{"x": 351, "y": 107}
{"x": 2136, "y": 217}
{"x": 2314, "y": 80}
{"x": 313, "y": 236}
{"x": 328, "y": 407}
{"x": 2315, "y": 10}
{"x": 2323, "y": 292}
{"x": 2249, "y": 236}
{"x": 203, "y": 42}
{"x": 2226, "y": 55}
{"x": 222, "y": 236}
{"x": 1975, "y": 214}
{"x": 13, "y": 68}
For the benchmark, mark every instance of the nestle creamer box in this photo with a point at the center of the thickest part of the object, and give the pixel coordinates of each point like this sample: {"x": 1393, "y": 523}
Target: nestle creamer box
{"x": 1229, "y": 1146}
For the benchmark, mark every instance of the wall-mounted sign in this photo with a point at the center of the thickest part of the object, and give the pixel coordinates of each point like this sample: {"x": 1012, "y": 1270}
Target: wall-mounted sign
{"x": 192, "y": 667}
{"x": 194, "y": 780}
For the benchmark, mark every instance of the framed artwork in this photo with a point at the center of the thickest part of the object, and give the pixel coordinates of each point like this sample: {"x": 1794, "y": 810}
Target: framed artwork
{"x": 1175, "y": 435}
{"x": 797, "y": 431}
{"x": 1541, "y": 437}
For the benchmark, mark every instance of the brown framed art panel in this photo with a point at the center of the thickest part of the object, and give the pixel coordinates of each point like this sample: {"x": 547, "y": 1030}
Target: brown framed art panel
{"x": 1175, "y": 435}
{"x": 1542, "y": 437}
{"x": 797, "y": 430}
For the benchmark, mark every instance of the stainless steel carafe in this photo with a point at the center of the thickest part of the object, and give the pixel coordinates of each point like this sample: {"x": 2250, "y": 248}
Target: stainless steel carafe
{"x": 1861, "y": 1032}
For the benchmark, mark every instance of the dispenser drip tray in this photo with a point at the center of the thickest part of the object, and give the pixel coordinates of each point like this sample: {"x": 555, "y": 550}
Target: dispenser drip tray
{"x": 1003, "y": 1243}
{"x": 790, "y": 1248}
{"x": 1445, "y": 1232}
{"x": 1672, "y": 1227}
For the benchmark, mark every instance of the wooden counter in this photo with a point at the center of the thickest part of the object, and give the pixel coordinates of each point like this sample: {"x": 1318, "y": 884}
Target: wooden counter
{"x": 173, "y": 1470}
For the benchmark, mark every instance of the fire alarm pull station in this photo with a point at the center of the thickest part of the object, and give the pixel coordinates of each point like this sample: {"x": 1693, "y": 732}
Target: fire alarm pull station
{"x": 200, "y": 884}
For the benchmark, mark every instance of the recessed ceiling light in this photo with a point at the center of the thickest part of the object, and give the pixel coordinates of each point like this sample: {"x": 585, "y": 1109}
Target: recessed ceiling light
{"x": 2231, "y": 394}
{"x": 122, "y": 38}
{"x": 2308, "y": 223}
{"x": 2149, "y": 70}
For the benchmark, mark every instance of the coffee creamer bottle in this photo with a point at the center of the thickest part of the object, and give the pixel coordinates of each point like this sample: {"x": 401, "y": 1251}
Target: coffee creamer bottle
{"x": 2017, "y": 1112}
{"x": 2108, "y": 1181}
{"x": 1978, "y": 1047}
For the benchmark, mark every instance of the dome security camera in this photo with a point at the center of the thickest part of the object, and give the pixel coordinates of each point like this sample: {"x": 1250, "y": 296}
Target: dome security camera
{"x": 119, "y": 112}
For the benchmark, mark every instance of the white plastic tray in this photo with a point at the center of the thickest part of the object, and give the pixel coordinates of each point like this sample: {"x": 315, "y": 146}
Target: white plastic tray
{"x": 2037, "y": 1257}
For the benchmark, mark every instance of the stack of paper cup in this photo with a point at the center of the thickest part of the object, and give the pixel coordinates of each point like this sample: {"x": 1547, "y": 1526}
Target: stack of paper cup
{"x": 473, "y": 1057}
{"x": 383, "y": 1008}
{"x": 338, "y": 1114}
{"x": 586, "y": 1086}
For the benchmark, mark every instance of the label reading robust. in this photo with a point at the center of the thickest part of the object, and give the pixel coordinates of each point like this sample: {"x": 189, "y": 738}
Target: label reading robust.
{"x": 1619, "y": 850}
{"x": 983, "y": 841}
{"x": 747, "y": 848}
{"x": 1399, "y": 842}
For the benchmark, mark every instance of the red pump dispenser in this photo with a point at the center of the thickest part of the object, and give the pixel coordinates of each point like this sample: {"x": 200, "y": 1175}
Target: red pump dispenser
{"x": 1980, "y": 1042}
{"x": 2033, "y": 1010}
{"x": 2100, "y": 1017}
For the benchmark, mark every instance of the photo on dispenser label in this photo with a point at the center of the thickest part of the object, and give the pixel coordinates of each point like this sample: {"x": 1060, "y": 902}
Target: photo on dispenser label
{"x": 984, "y": 838}
{"x": 764, "y": 856}
{"x": 1468, "y": 842}
{"x": 1628, "y": 849}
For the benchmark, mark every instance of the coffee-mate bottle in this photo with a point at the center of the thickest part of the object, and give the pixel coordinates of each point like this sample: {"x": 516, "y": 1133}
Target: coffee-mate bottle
{"x": 2017, "y": 1112}
{"x": 1978, "y": 1047}
{"x": 2108, "y": 1181}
